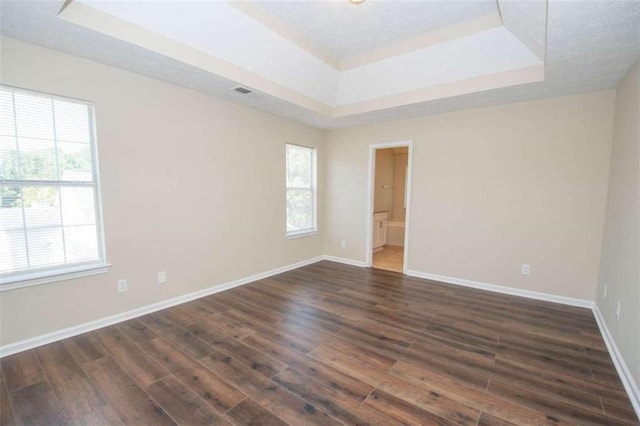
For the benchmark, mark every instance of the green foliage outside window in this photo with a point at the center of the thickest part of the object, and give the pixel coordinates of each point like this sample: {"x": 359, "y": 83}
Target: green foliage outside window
{"x": 39, "y": 165}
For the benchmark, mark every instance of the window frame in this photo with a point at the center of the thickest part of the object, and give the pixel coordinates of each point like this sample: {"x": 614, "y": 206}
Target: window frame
{"x": 42, "y": 275}
{"x": 314, "y": 193}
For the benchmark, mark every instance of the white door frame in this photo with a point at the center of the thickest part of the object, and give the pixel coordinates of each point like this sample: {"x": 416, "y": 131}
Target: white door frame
{"x": 370, "y": 194}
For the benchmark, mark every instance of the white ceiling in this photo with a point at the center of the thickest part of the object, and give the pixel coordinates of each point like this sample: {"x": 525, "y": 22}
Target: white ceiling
{"x": 462, "y": 56}
{"x": 590, "y": 45}
{"x": 344, "y": 29}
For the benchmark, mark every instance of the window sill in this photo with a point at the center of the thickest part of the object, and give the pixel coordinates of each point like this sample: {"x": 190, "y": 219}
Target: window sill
{"x": 29, "y": 279}
{"x": 302, "y": 234}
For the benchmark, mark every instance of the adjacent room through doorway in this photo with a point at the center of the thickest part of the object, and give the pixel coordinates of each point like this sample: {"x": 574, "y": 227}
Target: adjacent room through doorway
{"x": 389, "y": 207}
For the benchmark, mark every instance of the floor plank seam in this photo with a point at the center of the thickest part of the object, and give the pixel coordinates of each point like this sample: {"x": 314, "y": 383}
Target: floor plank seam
{"x": 65, "y": 411}
{"x": 171, "y": 373}
{"x": 142, "y": 388}
{"x": 9, "y": 401}
{"x": 234, "y": 405}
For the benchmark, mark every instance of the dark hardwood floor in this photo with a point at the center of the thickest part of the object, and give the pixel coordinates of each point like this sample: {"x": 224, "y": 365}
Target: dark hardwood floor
{"x": 327, "y": 344}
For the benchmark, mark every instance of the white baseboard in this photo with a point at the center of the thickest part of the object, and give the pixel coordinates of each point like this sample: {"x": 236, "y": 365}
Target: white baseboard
{"x": 502, "y": 289}
{"x": 627, "y": 379}
{"x": 346, "y": 261}
{"x": 44, "y": 339}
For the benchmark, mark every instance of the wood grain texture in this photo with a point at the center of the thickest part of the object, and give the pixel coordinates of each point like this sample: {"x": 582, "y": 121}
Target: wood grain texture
{"x": 130, "y": 357}
{"x": 249, "y": 412}
{"x": 81, "y": 401}
{"x": 21, "y": 370}
{"x": 390, "y": 258}
{"x": 216, "y": 392}
{"x": 332, "y": 401}
{"x": 85, "y": 348}
{"x": 6, "y": 411}
{"x": 327, "y": 344}
{"x": 37, "y": 404}
{"x": 132, "y": 404}
{"x": 182, "y": 404}
{"x": 266, "y": 392}
{"x": 401, "y": 410}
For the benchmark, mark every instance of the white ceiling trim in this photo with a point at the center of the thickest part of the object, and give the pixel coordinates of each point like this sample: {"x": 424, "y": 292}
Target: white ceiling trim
{"x": 481, "y": 83}
{"x": 94, "y": 19}
{"x": 461, "y": 59}
{"x": 441, "y": 35}
{"x": 276, "y": 25}
{"x": 527, "y": 20}
{"x": 222, "y": 31}
{"x": 451, "y": 32}
{"x": 346, "y": 30}
{"x": 586, "y": 46}
{"x": 397, "y": 79}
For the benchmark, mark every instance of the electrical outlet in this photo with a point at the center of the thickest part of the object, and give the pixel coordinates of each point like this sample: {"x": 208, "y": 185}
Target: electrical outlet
{"x": 123, "y": 285}
{"x": 605, "y": 291}
{"x": 343, "y": 243}
{"x": 618, "y": 308}
{"x": 525, "y": 270}
{"x": 162, "y": 277}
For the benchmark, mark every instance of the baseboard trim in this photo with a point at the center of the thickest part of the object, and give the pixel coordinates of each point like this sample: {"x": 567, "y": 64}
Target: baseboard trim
{"x": 626, "y": 378}
{"x": 44, "y": 339}
{"x": 346, "y": 261}
{"x": 503, "y": 289}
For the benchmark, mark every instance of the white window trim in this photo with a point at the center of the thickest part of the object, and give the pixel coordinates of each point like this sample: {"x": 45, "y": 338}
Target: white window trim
{"x": 50, "y": 275}
{"x": 34, "y": 276}
{"x": 301, "y": 233}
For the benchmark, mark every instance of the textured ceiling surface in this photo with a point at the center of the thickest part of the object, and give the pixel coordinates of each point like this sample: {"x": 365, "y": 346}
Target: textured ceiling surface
{"x": 591, "y": 45}
{"x": 526, "y": 20}
{"x": 344, "y": 30}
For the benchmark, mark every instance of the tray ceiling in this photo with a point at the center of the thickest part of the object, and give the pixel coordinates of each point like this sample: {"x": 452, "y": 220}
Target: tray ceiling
{"x": 451, "y": 57}
{"x": 345, "y": 30}
{"x": 396, "y": 59}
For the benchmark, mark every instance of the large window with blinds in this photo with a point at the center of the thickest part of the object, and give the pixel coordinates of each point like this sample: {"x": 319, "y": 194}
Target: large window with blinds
{"x": 50, "y": 222}
{"x": 301, "y": 191}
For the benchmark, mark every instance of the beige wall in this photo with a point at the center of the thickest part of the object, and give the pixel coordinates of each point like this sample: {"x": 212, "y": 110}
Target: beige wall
{"x": 620, "y": 262}
{"x": 492, "y": 188}
{"x": 383, "y": 197}
{"x": 399, "y": 174}
{"x": 190, "y": 184}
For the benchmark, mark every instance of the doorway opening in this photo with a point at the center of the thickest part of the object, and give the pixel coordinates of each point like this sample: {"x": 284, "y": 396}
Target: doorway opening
{"x": 389, "y": 196}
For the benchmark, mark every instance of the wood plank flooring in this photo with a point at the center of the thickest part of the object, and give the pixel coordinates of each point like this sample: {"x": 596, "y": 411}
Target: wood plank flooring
{"x": 390, "y": 258}
{"x": 327, "y": 344}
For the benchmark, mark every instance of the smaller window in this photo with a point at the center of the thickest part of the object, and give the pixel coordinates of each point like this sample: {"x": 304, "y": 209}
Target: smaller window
{"x": 301, "y": 191}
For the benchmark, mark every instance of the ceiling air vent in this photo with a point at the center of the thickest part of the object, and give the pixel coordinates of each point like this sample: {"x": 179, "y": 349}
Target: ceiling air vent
{"x": 242, "y": 90}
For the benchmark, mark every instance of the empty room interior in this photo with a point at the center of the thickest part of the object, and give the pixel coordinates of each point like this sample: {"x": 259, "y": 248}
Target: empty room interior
{"x": 325, "y": 212}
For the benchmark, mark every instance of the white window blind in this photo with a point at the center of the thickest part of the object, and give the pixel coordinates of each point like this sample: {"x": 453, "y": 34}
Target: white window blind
{"x": 49, "y": 204}
{"x": 301, "y": 190}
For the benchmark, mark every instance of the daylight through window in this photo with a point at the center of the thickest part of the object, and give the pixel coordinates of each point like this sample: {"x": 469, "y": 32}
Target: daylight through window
{"x": 301, "y": 190}
{"x": 49, "y": 205}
